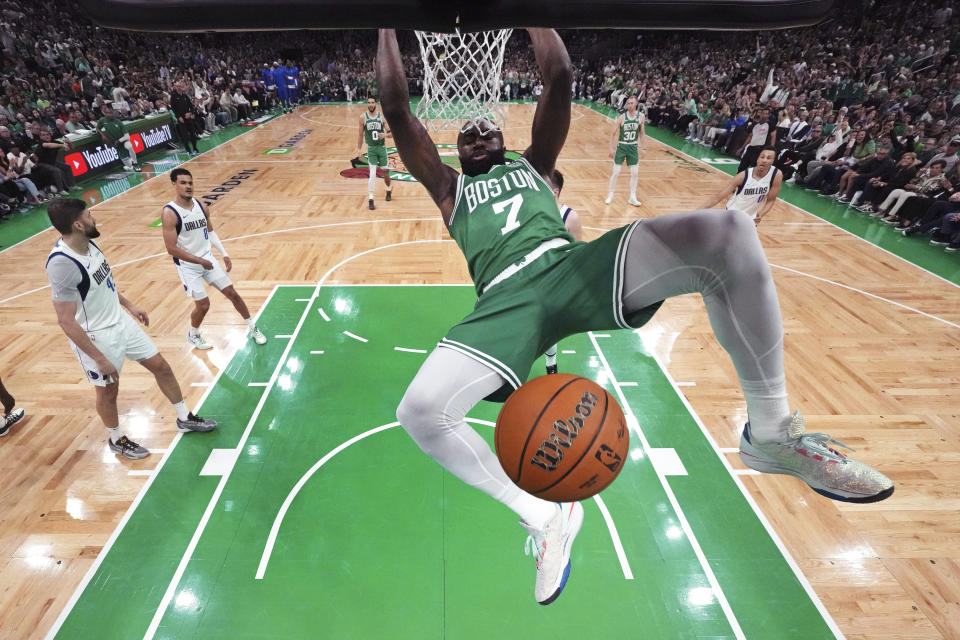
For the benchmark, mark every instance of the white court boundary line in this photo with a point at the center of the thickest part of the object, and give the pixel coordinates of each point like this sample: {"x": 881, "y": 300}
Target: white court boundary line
{"x": 215, "y": 498}
{"x": 753, "y": 504}
{"x": 798, "y": 208}
{"x": 668, "y": 490}
{"x": 252, "y": 235}
{"x": 292, "y": 494}
{"x": 155, "y": 175}
{"x": 136, "y": 501}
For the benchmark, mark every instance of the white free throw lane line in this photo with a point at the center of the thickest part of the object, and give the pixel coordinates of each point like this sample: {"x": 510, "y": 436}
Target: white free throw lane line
{"x": 257, "y": 384}
{"x": 316, "y": 352}
{"x": 215, "y": 498}
{"x": 283, "y": 336}
{"x": 355, "y": 336}
{"x": 668, "y": 491}
{"x": 282, "y": 512}
{"x": 802, "y": 579}
{"x": 627, "y": 384}
{"x": 409, "y": 350}
{"x": 302, "y": 300}
{"x": 136, "y": 502}
{"x": 568, "y": 351}
{"x": 323, "y": 314}
{"x": 601, "y": 335}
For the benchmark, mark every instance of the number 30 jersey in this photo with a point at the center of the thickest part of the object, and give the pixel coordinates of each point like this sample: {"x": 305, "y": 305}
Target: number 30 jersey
{"x": 500, "y": 216}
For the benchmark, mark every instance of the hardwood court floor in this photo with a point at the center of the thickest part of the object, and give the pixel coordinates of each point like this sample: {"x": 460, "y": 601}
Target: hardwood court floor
{"x": 871, "y": 346}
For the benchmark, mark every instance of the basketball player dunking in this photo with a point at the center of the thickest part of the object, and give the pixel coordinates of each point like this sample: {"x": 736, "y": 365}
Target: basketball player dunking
{"x": 627, "y": 141}
{"x": 505, "y": 220}
{"x": 374, "y": 132}
{"x": 754, "y": 190}
{"x": 102, "y": 336}
{"x": 188, "y": 235}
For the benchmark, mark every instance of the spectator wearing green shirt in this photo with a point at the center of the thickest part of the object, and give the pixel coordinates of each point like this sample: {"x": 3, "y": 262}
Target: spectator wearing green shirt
{"x": 112, "y": 132}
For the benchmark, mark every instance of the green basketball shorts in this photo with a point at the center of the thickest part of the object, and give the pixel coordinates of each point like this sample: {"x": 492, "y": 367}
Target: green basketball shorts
{"x": 568, "y": 290}
{"x": 627, "y": 152}
{"x": 377, "y": 156}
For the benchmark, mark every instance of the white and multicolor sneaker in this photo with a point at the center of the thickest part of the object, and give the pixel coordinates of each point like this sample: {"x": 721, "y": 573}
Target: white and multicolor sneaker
{"x": 550, "y": 547}
{"x": 257, "y": 336}
{"x": 198, "y": 342}
{"x": 809, "y": 456}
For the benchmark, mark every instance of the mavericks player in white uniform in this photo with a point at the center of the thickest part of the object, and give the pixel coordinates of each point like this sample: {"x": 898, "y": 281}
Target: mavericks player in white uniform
{"x": 88, "y": 305}
{"x": 188, "y": 235}
{"x": 753, "y": 190}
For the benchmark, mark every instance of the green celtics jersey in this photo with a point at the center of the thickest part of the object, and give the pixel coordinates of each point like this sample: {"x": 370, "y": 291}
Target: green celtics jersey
{"x": 373, "y": 129}
{"x": 112, "y": 127}
{"x": 629, "y": 129}
{"x": 500, "y": 216}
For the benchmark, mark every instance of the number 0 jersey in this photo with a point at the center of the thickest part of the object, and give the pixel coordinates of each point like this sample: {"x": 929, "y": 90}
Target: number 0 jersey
{"x": 373, "y": 129}
{"x": 192, "y": 234}
{"x": 500, "y": 216}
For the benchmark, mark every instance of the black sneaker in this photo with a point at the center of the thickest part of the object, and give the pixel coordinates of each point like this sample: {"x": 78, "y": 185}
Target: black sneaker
{"x": 195, "y": 423}
{"x": 388, "y": 196}
{"x": 953, "y": 246}
{"x": 127, "y": 448}
{"x": 370, "y": 204}
{"x": 551, "y": 368}
{"x": 11, "y": 419}
{"x": 939, "y": 240}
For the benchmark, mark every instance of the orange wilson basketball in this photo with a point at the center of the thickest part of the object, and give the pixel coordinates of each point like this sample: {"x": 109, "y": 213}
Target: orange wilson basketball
{"x": 561, "y": 437}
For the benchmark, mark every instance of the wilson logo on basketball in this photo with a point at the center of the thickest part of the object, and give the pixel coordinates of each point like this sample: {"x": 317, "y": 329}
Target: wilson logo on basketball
{"x": 550, "y": 451}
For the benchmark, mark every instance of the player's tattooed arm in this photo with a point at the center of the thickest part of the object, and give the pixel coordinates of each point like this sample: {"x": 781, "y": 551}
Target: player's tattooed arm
{"x": 413, "y": 143}
{"x": 551, "y": 121}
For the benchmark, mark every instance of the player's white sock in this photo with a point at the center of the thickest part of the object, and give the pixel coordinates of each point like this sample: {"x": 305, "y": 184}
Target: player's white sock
{"x": 115, "y": 434}
{"x": 251, "y": 323}
{"x": 534, "y": 511}
{"x": 194, "y": 331}
{"x": 613, "y": 178}
{"x": 634, "y": 173}
{"x": 767, "y": 408}
{"x": 181, "y": 409}
{"x": 389, "y": 187}
{"x": 551, "y": 356}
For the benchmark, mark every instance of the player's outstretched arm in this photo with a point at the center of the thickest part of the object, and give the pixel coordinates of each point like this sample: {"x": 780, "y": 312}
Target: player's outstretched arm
{"x": 413, "y": 142}
{"x": 552, "y": 118}
{"x": 723, "y": 194}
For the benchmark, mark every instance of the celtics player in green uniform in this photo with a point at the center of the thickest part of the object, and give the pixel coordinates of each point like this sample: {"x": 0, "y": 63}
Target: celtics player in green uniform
{"x": 112, "y": 132}
{"x": 374, "y": 132}
{"x": 627, "y": 141}
{"x": 536, "y": 285}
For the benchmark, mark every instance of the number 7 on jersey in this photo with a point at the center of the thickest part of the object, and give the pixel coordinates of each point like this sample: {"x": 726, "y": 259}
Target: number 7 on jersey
{"x": 514, "y": 203}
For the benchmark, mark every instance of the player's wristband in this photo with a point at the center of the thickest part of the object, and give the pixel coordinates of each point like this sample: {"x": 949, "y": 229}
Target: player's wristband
{"x": 215, "y": 241}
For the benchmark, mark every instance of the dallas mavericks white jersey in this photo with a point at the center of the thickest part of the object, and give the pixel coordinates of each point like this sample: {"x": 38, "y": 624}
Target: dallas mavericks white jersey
{"x": 192, "y": 234}
{"x": 752, "y": 192}
{"x": 87, "y": 280}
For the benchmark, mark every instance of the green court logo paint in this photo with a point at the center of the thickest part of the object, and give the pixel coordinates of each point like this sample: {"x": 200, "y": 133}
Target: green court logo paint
{"x": 398, "y": 171}
{"x": 276, "y": 151}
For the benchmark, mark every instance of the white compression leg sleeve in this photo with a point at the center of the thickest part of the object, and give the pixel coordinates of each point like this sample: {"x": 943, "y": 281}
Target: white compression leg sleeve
{"x": 634, "y": 173}
{"x": 613, "y": 177}
{"x": 372, "y": 181}
{"x": 432, "y": 411}
{"x": 718, "y": 254}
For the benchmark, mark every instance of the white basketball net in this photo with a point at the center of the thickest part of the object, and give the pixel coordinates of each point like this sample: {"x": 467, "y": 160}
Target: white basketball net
{"x": 461, "y": 77}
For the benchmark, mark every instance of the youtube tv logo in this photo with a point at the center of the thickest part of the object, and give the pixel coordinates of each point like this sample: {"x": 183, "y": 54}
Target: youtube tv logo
{"x": 76, "y": 163}
{"x": 137, "y": 142}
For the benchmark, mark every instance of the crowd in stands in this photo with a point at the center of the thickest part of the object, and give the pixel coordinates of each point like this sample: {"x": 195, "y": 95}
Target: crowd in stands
{"x": 864, "y": 107}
